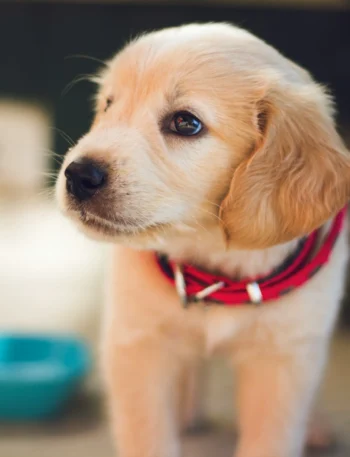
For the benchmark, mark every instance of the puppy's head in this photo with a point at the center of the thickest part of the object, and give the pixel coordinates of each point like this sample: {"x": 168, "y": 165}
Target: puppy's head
{"x": 206, "y": 125}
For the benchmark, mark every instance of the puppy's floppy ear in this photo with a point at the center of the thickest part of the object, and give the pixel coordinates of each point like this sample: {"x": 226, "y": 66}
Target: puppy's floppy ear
{"x": 298, "y": 175}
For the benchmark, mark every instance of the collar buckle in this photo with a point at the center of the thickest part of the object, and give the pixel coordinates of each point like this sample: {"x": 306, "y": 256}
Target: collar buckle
{"x": 180, "y": 285}
{"x": 254, "y": 292}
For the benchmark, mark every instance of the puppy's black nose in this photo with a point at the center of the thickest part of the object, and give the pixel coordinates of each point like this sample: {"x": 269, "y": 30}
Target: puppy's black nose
{"x": 84, "y": 178}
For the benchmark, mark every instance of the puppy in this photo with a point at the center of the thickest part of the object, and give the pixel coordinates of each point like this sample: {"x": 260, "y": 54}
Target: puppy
{"x": 212, "y": 149}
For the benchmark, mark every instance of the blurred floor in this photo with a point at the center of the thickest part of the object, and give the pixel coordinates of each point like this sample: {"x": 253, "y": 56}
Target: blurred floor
{"x": 87, "y": 436}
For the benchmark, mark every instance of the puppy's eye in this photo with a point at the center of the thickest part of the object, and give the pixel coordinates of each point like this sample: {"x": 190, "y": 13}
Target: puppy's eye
{"x": 185, "y": 124}
{"x": 109, "y": 101}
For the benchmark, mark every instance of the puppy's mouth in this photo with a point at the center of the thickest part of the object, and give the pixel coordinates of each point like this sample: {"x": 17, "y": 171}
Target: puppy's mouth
{"x": 112, "y": 228}
{"x": 117, "y": 226}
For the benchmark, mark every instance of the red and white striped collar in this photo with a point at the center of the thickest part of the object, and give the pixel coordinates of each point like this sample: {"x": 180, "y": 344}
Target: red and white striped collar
{"x": 195, "y": 285}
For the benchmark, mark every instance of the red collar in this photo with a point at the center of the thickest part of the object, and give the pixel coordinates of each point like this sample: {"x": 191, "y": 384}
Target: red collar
{"x": 194, "y": 284}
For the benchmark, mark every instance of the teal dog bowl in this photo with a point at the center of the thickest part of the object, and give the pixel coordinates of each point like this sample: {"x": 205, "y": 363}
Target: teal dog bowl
{"x": 38, "y": 374}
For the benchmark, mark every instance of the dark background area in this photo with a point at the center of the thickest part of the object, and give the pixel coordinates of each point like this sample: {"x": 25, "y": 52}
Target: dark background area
{"x": 38, "y": 38}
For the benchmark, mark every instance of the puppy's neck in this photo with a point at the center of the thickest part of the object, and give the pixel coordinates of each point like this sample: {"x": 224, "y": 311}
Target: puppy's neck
{"x": 207, "y": 250}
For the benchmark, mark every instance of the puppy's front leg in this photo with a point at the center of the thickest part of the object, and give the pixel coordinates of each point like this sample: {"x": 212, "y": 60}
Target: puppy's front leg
{"x": 275, "y": 395}
{"x": 141, "y": 380}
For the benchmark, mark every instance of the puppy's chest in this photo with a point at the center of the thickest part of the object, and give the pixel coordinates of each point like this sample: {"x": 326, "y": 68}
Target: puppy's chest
{"x": 255, "y": 327}
{"x": 224, "y": 326}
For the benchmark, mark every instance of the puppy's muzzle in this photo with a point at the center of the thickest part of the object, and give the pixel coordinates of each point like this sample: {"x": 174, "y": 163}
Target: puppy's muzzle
{"x": 84, "y": 178}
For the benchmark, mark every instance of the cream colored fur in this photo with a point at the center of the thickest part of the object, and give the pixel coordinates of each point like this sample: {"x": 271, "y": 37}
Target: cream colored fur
{"x": 268, "y": 169}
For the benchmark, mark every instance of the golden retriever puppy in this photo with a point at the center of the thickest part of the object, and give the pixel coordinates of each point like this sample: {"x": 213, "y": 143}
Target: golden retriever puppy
{"x": 214, "y": 166}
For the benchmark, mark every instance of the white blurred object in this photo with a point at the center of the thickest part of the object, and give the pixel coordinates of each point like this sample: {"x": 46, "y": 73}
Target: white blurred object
{"x": 25, "y": 141}
{"x": 51, "y": 276}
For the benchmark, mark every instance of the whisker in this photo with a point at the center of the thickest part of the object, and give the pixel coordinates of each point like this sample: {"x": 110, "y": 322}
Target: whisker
{"x": 51, "y": 153}
{"x": 57, "y": 158}
{"x": 65, "y": 136}
{"x": 47, "y": 174}
{"x": 57, "y": 161}
{"x": 83, "y": 56}
{"x": 76, "y": 80}
{"x": 212, "y": 214}
{"x": 47, "y": 192}
{"x": 212, "y": 203}
{"x": 200, "y": 225}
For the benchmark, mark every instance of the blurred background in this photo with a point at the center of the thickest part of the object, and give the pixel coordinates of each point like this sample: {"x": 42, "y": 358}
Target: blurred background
{"x": 51, "y": 278}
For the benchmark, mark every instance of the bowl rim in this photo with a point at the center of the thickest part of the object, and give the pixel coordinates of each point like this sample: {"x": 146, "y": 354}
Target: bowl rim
{"x": 24, "y": 372}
